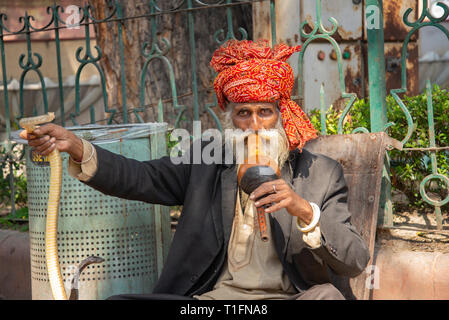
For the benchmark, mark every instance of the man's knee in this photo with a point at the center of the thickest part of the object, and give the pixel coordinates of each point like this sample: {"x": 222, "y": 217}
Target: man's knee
{"x": 322, "y": 292}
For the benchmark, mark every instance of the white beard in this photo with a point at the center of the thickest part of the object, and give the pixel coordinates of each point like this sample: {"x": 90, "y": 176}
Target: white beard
{"x": 279, "y": 151}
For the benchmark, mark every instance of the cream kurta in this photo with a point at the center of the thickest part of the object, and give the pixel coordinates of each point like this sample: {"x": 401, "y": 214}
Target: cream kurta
{"x": 253, "y": 270}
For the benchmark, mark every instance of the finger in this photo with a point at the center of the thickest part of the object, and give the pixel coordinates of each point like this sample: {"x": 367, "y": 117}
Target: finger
{"x": 27, "y": 136}
{"x": 45, "y": 129}
{"x": 43, "y": 147}
{"x": 263, "y": 189}
{"x": 274, "y": 197}
{"x": 260, "y": 192}
{"x": 49, "y": 150}
{"x": 277, "y": 206}
{"x": 36, "y": 142}
{"x": 280, "y": 184}
{"x": 267, "y": 188}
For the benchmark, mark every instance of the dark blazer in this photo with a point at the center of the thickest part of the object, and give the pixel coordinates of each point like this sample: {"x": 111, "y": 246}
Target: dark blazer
{"x": 208, "y": 195}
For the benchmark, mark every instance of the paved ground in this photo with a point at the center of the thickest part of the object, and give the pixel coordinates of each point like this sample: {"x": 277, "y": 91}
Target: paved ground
{"x": 409, "y": 264}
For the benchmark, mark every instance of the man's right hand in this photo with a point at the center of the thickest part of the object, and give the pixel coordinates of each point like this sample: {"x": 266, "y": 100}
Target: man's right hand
{"x": 46, "y": 138}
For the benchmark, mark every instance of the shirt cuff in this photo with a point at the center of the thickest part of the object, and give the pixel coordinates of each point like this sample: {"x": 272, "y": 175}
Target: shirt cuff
{"x": 313, "y": 238}
{"x": 311, "y": 233}
{"x": 87, "y": 168}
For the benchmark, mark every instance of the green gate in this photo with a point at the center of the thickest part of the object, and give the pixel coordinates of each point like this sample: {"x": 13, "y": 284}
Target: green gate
{"x": 378, "y": 96}
{"x": 159, "y": 48}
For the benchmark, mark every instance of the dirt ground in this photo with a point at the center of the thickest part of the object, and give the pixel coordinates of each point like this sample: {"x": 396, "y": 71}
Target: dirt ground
{"x": 428, "y": 239}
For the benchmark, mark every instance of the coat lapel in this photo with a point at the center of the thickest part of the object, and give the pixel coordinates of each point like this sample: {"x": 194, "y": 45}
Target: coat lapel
{"x": 283, "y": 219}
{"x": 228, "y": 198}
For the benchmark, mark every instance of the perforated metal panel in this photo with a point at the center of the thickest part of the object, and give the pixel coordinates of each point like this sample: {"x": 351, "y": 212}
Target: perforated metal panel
{"x": 132, "y": 237}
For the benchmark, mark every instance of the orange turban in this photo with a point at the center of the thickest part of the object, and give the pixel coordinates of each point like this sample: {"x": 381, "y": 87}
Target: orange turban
{"x": 253, "y": 72}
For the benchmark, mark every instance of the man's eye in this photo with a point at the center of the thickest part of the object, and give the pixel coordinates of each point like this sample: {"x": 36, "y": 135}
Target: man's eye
{"x": 266, "y": 111}
{"x": 243, "y": 113}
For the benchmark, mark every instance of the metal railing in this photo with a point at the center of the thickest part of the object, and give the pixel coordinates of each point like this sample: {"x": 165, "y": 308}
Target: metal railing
{"x": 378, "y": 104}
{"x": 425, "y": 20}
{"x": 158, "y": 49}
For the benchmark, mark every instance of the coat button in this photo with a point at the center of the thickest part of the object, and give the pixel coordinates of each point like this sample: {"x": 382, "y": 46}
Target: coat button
{"x": 193, "y": 278}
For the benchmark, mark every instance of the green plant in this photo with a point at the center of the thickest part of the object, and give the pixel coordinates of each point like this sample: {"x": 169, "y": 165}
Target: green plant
{"x": 16, "y": 221}
{"x": 19, "y": 178}
{"x": 357, "y": 117}
{"x": 408, "y": 168}
{"x": 169, "y": 142}
{"x": 19, "y": 219}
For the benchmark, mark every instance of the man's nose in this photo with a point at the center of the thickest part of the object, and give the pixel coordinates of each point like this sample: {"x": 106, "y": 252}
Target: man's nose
{"x": 256, "y": 123}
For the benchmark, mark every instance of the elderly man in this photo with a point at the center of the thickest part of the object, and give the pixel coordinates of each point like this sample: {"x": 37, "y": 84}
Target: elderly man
{"x": 216, "y": 251}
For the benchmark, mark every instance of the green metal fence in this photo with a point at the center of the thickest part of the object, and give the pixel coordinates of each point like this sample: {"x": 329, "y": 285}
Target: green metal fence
{"x": 424, "y": 20}
{"x": 373, "y": 11}
{"x": 31, "y": 61}
{"x": 377, "y": 96}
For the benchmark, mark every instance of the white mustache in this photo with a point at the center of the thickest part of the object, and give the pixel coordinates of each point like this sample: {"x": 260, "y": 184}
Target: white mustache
{"x": 265, "y": 134}
{"x": 276, "y": 136}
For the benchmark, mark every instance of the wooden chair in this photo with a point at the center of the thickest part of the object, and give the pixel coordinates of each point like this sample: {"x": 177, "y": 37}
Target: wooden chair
{"x": 362, "y": 157}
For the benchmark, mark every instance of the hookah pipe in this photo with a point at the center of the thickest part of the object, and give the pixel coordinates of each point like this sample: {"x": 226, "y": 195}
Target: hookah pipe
{"x": 51, "y": 229}
{"x": 257, "y": 169}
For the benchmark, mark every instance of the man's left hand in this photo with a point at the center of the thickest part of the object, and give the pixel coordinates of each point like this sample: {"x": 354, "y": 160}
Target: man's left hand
{"x": 282, "y": 196}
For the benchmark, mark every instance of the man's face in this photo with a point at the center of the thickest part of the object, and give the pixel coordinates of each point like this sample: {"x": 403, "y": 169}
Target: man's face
{"x": 262, "y": 118}
{"x": 254, "y": 115}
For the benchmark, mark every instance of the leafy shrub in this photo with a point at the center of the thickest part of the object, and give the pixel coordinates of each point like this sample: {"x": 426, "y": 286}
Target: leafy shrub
{"x": 408, "y": 168}
{"x": 358, "y": 116}
{"x": 19, "y": 178}
{"x": 16, "y": 221}
{"x": 19, "y": 219}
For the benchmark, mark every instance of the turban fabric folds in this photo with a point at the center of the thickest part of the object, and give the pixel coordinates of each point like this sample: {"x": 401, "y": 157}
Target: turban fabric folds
{"x": 254, "y": 72}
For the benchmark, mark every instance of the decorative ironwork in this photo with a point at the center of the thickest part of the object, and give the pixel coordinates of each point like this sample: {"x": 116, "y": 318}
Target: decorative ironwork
{"x": 424, "y": 20}
{"x": 89, "y": 54}
{"x": 320, "y": 32}
{"x": 158, "y": 49}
